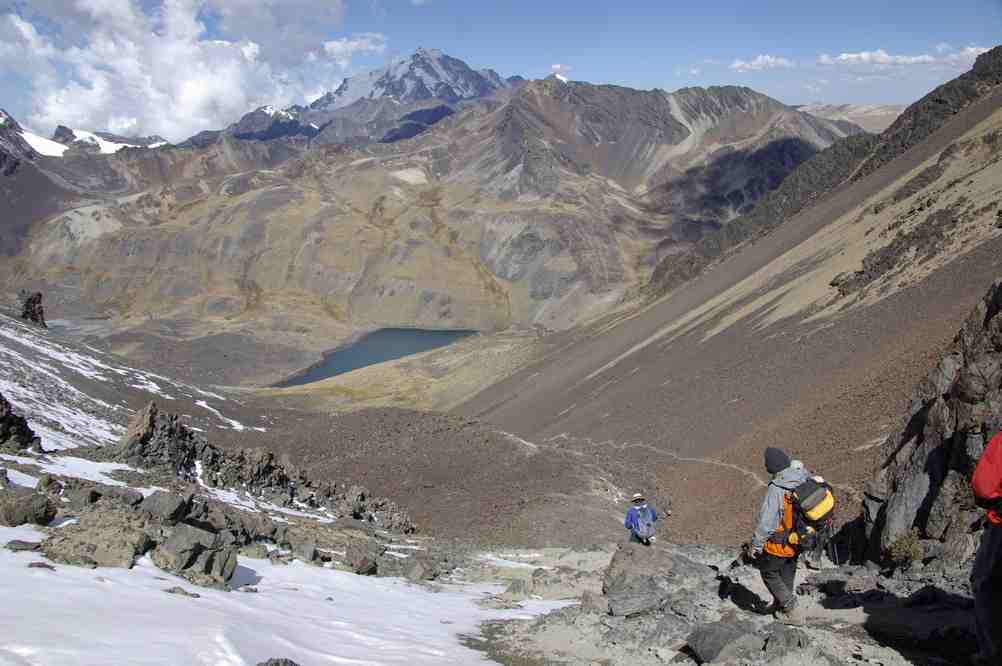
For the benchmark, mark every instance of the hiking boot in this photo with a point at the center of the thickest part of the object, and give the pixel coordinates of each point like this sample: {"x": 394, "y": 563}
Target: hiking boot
{"x": 793, "y": 616}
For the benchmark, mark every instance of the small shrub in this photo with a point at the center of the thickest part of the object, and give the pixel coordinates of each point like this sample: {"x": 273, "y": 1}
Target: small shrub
{"x": 905, "y": 549}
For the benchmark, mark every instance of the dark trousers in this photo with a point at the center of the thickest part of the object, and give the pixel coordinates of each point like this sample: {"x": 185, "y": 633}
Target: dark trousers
{"x": 986, "y": 582}
{"x": 779, "y": 575}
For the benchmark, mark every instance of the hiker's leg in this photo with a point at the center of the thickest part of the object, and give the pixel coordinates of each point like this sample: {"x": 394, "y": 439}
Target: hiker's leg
{"x": 771, "y": 568}
{"x": 790, "y": 577}
{"x": 986, "y": 582}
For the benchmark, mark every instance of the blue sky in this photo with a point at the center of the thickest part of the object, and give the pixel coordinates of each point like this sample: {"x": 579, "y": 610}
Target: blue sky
{"x": 176, "y": 67}
{"x": 648, "y": 44}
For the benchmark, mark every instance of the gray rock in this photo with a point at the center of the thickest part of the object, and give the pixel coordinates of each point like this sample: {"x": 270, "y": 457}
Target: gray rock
{"x": 307, "y": 552}
{"x": 180, "y": 591}
{"x": 18, "y": 546}
{"x": 107, "y": 536}
{"x": 924, "y": 482}
{"x": 278, "y": 662}
{"x": 197, "y": 555}
{"x": 421, "y": 569}
{"x": 362, "y": 555}
{"x": 41, "y": 565}
{"x": 21, "y": 507}
{"x": 727, "y": 639}
{"x": 168, "y": 507}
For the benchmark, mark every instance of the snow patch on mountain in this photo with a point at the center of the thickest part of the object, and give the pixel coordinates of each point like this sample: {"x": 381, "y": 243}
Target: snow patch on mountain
{"x": 44, "y": 146}
{"x": 106, "y": 147}
{"x": 338, "y": 617}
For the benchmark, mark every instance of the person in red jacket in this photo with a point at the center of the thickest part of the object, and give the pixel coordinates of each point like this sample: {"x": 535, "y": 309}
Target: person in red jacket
{"x": 986, "y": 576}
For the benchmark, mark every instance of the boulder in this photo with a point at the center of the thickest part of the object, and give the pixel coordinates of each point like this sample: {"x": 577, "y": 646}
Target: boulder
{"x": 167, "y": 507}
{"x": 107, "y": 536}
{"x": 362, "y": 555}
{"x": 18, "y": 546}
{"x": 278, "y": 662}
{"x": 198, "y": 555}
{"x": 25, "y": 507}
{"x": 642, "y": 579}
{"x": 15, "y": 434}
{"x": 724, "y": 640}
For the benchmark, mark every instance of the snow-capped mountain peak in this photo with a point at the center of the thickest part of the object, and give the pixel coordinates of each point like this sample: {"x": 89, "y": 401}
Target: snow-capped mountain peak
{"x": 425, "y": 74}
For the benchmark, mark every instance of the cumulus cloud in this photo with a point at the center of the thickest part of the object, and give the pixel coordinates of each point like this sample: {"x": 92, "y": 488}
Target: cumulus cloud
{"x": 880, "y": 59}
{"x": 172, "y": 67}
{"x": 342, "y": 50}
{"x": 560, "y": 69}
{"x": 761, "y": 62}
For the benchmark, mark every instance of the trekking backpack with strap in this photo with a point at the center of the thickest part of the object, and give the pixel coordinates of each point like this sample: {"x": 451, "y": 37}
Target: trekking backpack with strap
{"x": 644, "y": 528}
{"x": 814, "y": 512}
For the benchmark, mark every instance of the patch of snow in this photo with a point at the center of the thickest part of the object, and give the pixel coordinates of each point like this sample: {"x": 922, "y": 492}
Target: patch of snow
{"x": 106, "y": 147}
{"x": 158, "y": 144}
{"x": 144, "y": 383}
{"x": 562, "y": 78}
{"x": 149, "y": 490}
{"x": 75, "y": 467}
{"x": 44, "y": 146}
{"x": 21, "y": 479}
{"x": 413, "y": 176}
{"x": 504, "y": 561}
{"x": 22, "y": 533}
{"x": 233, "y": 425}
{"x": 371, "y": 621}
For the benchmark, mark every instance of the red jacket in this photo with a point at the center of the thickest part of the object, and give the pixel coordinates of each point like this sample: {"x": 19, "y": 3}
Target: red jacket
{"x": 987, "y": 481}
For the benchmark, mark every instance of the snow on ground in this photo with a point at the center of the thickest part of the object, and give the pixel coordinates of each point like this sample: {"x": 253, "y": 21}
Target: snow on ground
{"x": 367, "y": 621}
{"x": 70, "y": 466}
{"x": 412, "y": 175}
{"x": 106, "y": 147}
{"x": 44, "y": 146}
{"x": 235, "y": 425}
{"x": 39, "y": 374}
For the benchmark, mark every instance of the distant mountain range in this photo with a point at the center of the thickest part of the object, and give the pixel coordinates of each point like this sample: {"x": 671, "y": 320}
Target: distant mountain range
{"x": 425, "y": 194}
{"x": 873, "y": 118}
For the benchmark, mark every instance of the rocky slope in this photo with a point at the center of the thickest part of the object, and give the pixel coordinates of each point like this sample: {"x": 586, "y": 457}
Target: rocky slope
{"x": 820, "y": 177}
{"x": 540, "y": 206}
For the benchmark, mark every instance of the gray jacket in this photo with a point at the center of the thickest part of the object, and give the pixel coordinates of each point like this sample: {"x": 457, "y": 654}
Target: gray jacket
{"x": 772, "y": 507}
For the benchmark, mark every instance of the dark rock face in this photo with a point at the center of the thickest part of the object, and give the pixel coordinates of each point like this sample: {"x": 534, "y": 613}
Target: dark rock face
{"x": 278, "y": 662}
{"x": 32, "y": 310}
{"x": 156, "y": 440}
{"x": 13, "y": 148}
{"x": 15, "y": 434}
{"x": 265, "y": 124}
{"x": 924, "y": 481}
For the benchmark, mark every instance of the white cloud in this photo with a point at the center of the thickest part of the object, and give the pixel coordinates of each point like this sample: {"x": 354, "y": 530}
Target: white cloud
{"x": 761, "y": 62}
{"x": 342, "y": 50}
{"x": 880, "y": 59}
{"x": 560, "y": 69}
{"x": 151, "y": 66}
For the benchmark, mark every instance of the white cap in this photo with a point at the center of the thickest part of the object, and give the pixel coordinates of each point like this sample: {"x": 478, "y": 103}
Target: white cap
{"x": 637, "y": 496}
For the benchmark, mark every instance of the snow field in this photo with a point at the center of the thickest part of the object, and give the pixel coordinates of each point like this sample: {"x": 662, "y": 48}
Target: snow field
{"x": 368, "y": 620}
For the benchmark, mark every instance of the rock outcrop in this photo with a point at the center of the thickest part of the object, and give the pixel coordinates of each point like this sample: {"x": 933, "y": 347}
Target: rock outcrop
{"x": 923, "y": 484}
{"x": 156, "y": 440}
{"x": 32, "y": 310}
{"x": 15, "y": 433}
